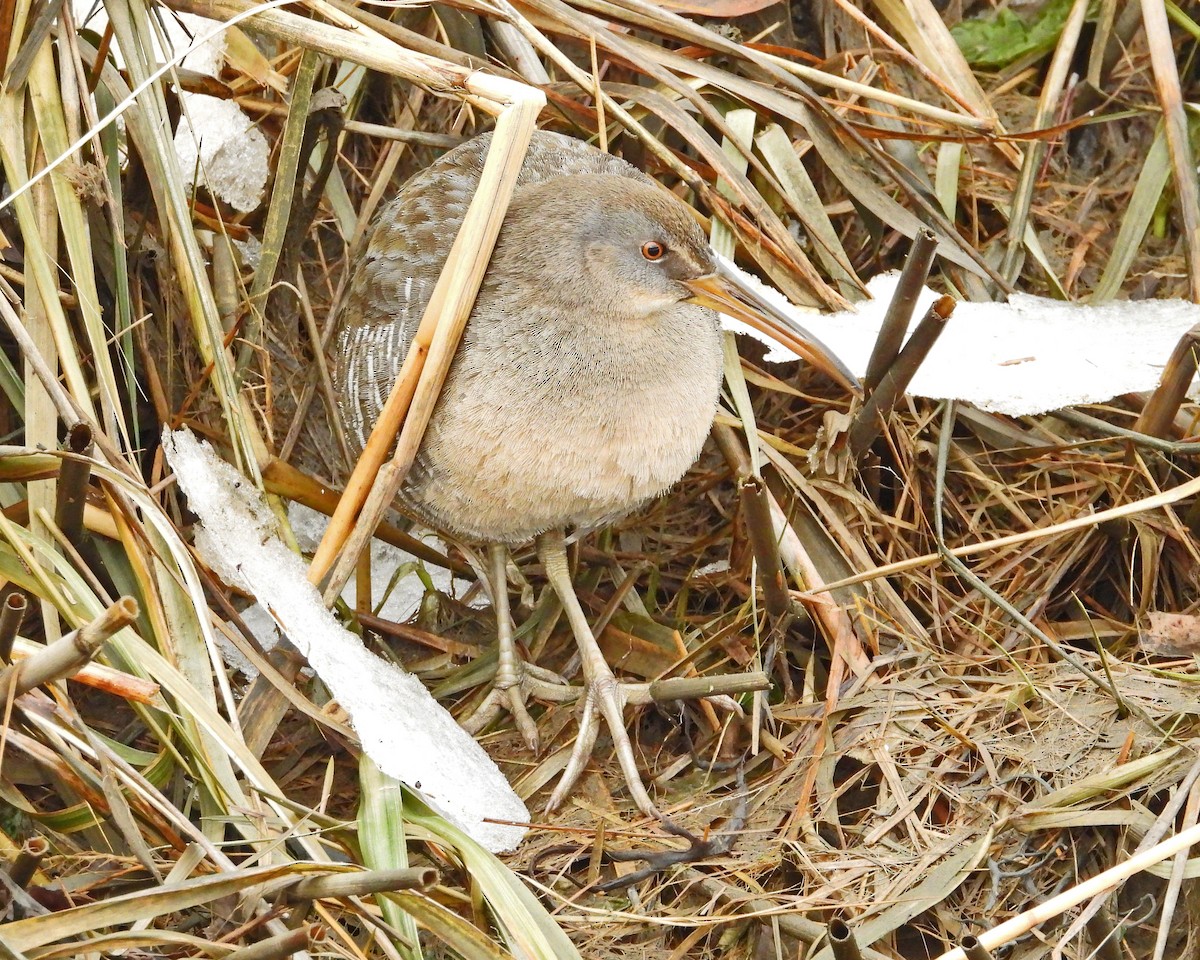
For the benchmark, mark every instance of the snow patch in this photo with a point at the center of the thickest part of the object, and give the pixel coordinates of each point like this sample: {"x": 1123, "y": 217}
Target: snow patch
{"x": 1024, "y": 357}
{"x": 408, "y": 734}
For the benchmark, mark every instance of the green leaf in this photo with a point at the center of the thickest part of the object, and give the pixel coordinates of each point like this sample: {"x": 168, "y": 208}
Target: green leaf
{"x": 1002, "y": 37}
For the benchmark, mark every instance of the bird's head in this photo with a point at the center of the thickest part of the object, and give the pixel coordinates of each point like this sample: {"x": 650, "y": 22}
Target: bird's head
{"x": 627, "y": 249}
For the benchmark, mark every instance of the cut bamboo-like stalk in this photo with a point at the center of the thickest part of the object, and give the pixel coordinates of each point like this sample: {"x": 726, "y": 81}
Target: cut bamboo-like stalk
{"x": 869, "y": 422}
{"x": 283, "y": 945}
{"x": 12, "y": 613}
{"x": 64, "y": 657}
{"x": 900, "y": 310}
{"x": 363, "y": 883}
{"x": 842, "y": 942}
{"x": 1171, "y": 391}
{"x": 73, "y": 478}
{"x": 765, "y": 545}
{"x": 974, "y": 949}
{"x": 25, "y": 864}
{"x": 100, "y": 677}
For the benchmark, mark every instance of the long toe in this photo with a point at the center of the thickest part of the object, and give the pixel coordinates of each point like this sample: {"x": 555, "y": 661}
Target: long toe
{"x": 604, "y": 697}
{"x": 512, "y": 696}
{"x": 507, "y": 699}
{"x": 585, "y": 743}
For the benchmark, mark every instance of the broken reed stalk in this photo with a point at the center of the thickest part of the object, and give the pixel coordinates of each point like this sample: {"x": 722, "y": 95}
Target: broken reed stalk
{"x": 974, "y": 949}
{"x": 25, "y": 864}
{"x": 363, "y": 883}
{"x": 371, "y": 490}
{"x": 73, "y": 477}
{"x": 64, "y": 657}
{"x": 900, "y": 310}
{"x": 765, "y": 545}
{"x": 869, "y": 422}
{"x": 793, "y": 924}
{"x": 1171, "y": 391}
{"x": 99, "y": 677}
{"x": 12, "y": 615}
{"x": 842, "y": 942}
{"x": 284, "y": 945}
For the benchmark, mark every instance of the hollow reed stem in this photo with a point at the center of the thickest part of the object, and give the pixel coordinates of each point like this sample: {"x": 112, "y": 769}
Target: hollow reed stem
{"x": 900, "y": 310}
{"x": 765, "y": 544}
{"x": 869, "y": 422}
{"x": 282, "y": 946}
{"x": 64, "y": 657}
{"x": 12, "y": 614}
{"x": 73, "y": 478}
{"x": 1171, "y": 391}
{"x": 974, "y": 949}
{"x": 25, "y": 864}
{"x": 363, "y": 883}
{"x": 842, "y": 941}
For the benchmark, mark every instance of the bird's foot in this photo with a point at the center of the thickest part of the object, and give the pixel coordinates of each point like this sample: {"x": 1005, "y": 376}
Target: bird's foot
{"x": 514, "y": 684}
{"x": 604, "y": 695}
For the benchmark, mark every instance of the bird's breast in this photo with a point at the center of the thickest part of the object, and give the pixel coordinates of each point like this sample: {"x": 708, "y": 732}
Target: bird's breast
{"x": 542, "y": 425}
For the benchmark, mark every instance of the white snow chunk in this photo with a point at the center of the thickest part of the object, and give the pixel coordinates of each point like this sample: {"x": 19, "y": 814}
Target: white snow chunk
{"x": 221, "y": 146}
{"x": 403, "y": 729}
{"x": 717, "y": 566}
{"x": 266, "y": 631}
{"x": 233, "y": 153}
{"x": 1024, "y": 357}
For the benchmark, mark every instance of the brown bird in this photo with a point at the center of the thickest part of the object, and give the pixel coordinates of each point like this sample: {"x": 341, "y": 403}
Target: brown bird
{"x": 585, "y": 383}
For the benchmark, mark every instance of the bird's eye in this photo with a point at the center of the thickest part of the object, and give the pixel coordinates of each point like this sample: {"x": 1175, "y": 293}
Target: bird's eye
{"x": 653, "y": 250}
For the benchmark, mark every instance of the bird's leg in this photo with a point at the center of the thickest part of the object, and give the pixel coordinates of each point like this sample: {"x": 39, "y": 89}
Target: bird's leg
{"x": 604, "y": 695}
{"x": 508, "y": 688}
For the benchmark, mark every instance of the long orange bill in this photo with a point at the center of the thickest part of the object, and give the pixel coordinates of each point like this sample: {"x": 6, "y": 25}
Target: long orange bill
{"x": 726, "y": 292}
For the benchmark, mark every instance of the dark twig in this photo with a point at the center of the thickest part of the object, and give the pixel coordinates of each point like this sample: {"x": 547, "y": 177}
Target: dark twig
{"x": 900, "y": 310}
{"x": 73, "y": 479}
{"x": 765, "y": 544}
{"x": 869, "y": 422}
{"x": 64, "y": 657}
{"x": 12, "y": 614}
{"x": 842, "y": 942}
{"x": 1160, "y": 411}
{"x": 697, "y": 849}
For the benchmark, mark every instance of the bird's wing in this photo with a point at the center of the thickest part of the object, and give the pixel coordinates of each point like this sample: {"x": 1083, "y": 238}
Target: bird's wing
{"x": 406, "y": 249}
